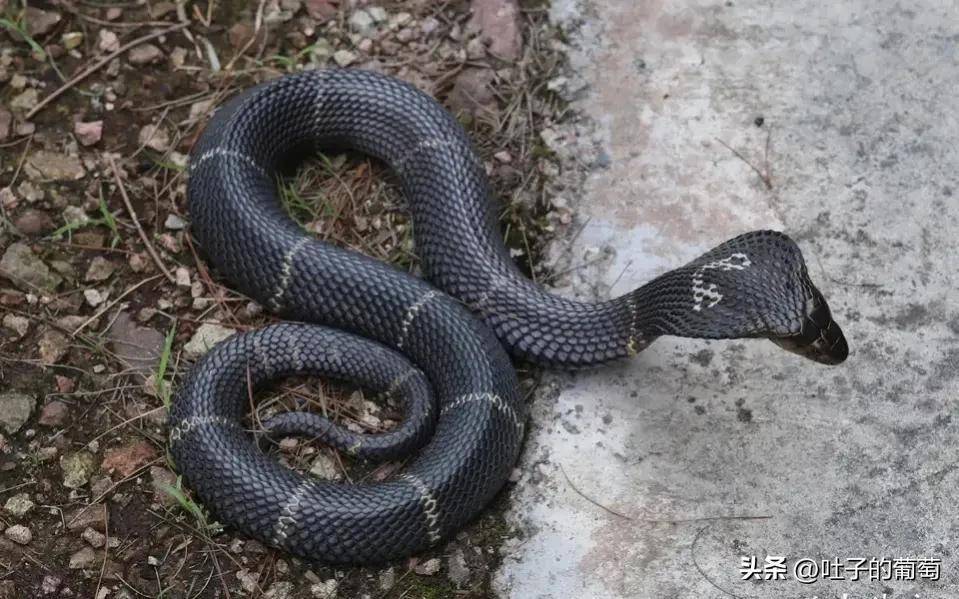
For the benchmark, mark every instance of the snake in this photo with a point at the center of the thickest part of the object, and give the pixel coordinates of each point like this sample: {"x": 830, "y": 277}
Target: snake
{"x": 441, "y": 345}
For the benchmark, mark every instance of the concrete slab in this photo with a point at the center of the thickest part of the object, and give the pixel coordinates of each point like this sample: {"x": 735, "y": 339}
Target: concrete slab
{"x": 654, "y": 478}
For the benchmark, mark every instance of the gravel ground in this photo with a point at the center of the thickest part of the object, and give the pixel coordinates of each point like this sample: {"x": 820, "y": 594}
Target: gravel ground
{"x": 105, "y": 302}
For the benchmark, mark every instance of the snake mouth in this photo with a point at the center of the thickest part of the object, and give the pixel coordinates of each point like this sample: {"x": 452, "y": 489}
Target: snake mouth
{"x": 819, "y": 339}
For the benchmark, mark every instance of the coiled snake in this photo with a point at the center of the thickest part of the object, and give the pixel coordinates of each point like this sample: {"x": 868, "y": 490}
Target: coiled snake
{"x": 443, "y": 352}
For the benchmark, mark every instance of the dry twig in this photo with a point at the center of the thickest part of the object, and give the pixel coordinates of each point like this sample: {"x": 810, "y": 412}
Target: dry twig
{"x": 99, "y": 65}
{"x": 133, "y": 215}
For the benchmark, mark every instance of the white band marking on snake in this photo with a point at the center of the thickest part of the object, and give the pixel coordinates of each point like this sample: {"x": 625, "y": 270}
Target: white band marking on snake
{"x": 710, "y": 293}
{"x": 288, "y": 513}
{"x": 431, "y": 509}
{"x": 410, "y": 316}
{"x": 220, "y": 152}
{"x": 429, "y": 143}
{"x": 494, "y": 399}
{"x": 297, "y": 355}
{"x": 185, "y": 427}
{"x": 286, "y": 272}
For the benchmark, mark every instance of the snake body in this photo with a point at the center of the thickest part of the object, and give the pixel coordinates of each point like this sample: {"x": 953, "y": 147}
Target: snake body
{"x": 441, "y": 348}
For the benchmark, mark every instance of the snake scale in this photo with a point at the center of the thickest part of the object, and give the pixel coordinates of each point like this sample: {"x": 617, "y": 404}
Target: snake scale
{"x": 443, "y": 347}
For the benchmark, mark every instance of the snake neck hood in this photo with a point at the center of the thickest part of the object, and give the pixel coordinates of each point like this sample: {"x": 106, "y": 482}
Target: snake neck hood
{"x": 755, "y": 285}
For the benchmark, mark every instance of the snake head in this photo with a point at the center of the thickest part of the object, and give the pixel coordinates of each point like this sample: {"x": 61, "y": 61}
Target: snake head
{"x": 819, "y": 338}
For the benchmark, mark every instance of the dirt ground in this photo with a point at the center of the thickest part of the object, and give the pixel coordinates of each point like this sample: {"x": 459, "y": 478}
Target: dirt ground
{"x": 105, "y": 300}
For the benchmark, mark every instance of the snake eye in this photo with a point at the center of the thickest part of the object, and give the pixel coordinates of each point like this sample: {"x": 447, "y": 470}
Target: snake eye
{"x": 820, "y": 338}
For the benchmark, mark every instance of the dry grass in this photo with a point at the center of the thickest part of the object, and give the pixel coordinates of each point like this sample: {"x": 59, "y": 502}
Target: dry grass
{"x": 345, "y": 199}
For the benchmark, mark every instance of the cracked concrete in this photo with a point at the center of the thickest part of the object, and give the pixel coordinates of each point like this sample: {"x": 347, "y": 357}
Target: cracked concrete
{"x": 653, "y": 478}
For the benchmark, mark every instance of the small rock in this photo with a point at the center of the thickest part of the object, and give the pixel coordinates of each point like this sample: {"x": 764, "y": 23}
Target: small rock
{"x": 94, "y": 516}
{"x": 25, "y": 100}
{"x": 30, "y": 192}
{"x": 279, "y": 590}
{"x": 475, "y": 49}
{"x": 138, "y": 262}
{"x": 178, "y": 57}
{"x": 71, "y": 40}
{"x": 40, "y": 22}
{"x": 100, "y": 270}
{"x": 429, "y": 25}
{"x": 88, "y": 134}
{"x": 499, "y": 24}
{"x": 15, "y": 410}
{"x": 33, "y": 222}
{"x": 128, "y": 459}
{"x": 325, "y": 467}
{"x": 201, "y": 109}
{"x": 77, "y": 468}
{"x": 85, "y": 558}
{"x": 344, "y": 57}
{"x": 108, "y": 41}
{"x": 182, "y": 277}
{"x": 138, "y": 346}
{"x": 155, "y": 138}
{"x": 94, "y": 538}
{"x": 378, "y": 14}
{"x": 19, "y": 505}
{"x": 6, "y": 123}
{"x": 54, "y": 413}
{"x": 26, "y": 270}
{"x": 248, "y": 580}
{"x": 53, "y": 345}
{"x": 361, "y": 21}
{"x": 161, "y": 479}
{"x": 387, "y": 579}
{"x": 472, "y": 92}
{"x": 428, "y": 568}
{"x": 64, "y": 383}
{"x": 171, "y": 244}
{"x": 19, "y": 534}
{"x": 161, "y": 9}
{"x": 320, "y": 10}
{"x": 44, "y": 166}
{"x": 325, "y": 589}
{"x": 459, "y": 572}
{"x": 26, "y": 129}
{"x": 18, "y": 324}
{"x": 93, "y": 297}
{"x": 75, "y": 215}
{"x": 174, "y": 222}
{"x": 45, "y": 454}
{"x": 50, "y": 584}
{"x": 144, "y": 54}
{"x": 205, "y": 338}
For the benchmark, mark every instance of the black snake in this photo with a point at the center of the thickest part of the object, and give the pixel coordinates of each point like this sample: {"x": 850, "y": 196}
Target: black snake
{"x": 443, "y": 352}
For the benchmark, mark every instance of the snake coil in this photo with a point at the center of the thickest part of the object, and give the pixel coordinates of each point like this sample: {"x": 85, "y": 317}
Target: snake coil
{"x": 445, "y": 358}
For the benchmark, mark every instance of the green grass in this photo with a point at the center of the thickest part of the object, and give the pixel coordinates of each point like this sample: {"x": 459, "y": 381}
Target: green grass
{"x": 289, "y": 63}
{"x": 18, "y": 28}
{"x": 106, "y": 219}
{"x": 161, "y": 388}
{"x": 423, "y": 587}
{"x": 346, "y": 200}
{"x": 191, "y": 507}
{"x": 303, "y": 207}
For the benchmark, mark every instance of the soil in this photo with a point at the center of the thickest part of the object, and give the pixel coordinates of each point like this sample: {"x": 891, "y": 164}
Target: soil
{"x": 95, "y": 333}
